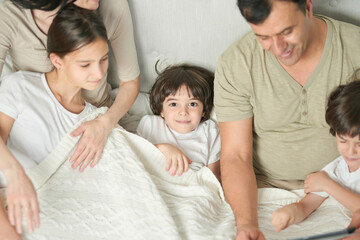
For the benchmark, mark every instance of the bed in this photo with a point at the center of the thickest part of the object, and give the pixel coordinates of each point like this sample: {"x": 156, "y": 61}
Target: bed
{"x": 128, "y": 195}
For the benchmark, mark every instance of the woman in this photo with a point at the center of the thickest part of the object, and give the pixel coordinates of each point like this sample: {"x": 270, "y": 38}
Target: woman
{"x": 37, "y": 110}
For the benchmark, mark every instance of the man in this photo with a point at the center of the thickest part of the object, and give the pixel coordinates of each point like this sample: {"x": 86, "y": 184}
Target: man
{"x": 271, "y": 89}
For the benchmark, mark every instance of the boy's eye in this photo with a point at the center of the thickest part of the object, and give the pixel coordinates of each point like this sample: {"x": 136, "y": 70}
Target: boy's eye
{"x": 105, "y": 59}
{"x": 172, "y": 104}
{"x": 85, "y": 65}
{"x": 193, "y": 104}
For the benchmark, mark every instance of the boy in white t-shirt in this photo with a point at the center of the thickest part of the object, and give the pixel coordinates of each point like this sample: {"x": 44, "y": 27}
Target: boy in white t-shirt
{"x": 182, "y": 100}
{"x": 38, "y": 109}
{"x": 341, "y": 177}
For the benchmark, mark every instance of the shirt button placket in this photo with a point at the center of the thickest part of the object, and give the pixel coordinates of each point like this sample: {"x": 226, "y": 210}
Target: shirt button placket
{"x": 304, "y": 108}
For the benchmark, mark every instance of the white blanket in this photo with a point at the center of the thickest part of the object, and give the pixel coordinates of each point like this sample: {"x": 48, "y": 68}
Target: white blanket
{"x": 129, "y": 195}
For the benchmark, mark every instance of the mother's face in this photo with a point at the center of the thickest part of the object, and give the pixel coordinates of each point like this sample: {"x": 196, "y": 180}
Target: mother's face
{"x": 87, "y": 4}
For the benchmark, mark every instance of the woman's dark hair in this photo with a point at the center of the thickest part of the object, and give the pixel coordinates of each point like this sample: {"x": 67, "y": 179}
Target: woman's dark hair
{"x": 343, "y": 110}
{"x": 73, "y": 28}
{"x": 45, "y": 5}
{"x": 198, "y": 80}
{"x": 256, "y": 11}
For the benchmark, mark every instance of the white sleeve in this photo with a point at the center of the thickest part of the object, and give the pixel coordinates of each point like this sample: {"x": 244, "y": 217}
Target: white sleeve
{"x": 142, "y": 130}
{"x": 215, "y": 144}
{"x": 11, "y": 95}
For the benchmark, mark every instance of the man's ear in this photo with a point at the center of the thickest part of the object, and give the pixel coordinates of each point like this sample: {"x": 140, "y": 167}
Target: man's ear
{"x": 309, "y": 8}
{"x": 56, "y": 60}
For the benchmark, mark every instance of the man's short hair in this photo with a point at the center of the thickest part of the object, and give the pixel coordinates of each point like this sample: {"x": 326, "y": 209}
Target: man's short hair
{"x": 256, "y": 11}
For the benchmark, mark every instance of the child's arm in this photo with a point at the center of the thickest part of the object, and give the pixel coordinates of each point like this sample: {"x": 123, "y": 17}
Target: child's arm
{"x": 321, "y": 182}
{"x": 215, "y": 168}
{"x": 175, "y": 158}
{"x": 296, "y": 212}
{"x": 19, "y": 191}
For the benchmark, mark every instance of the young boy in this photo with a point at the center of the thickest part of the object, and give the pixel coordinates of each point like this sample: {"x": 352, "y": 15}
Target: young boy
{"x": 182, "y": 100}
{"x": 340, "y": 178}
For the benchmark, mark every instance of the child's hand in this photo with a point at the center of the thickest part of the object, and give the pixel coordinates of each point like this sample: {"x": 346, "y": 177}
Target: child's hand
{"x": 283, "y": 217}
{"x": 175, "y": 158}
{"x": 316, "y": 182}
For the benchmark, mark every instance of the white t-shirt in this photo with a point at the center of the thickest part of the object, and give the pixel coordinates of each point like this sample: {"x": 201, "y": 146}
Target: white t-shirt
{"x": 338, "y": 171}
{"x": 202, "y": 145}
{"x": 40, "y": 120}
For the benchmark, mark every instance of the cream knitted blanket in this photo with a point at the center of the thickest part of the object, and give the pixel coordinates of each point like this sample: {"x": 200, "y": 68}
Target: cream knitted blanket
{"x": 129, "y": 195}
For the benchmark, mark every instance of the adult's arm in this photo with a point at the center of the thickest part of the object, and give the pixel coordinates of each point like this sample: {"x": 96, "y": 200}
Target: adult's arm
{"x": 7, "y": 232}
{"x": 19, "y": 191}
{"x": 238, "y": 177}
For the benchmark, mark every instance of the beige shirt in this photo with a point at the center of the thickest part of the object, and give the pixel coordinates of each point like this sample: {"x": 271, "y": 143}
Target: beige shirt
{"x": 26, "y": 44}
{"x": 291, "y": 136}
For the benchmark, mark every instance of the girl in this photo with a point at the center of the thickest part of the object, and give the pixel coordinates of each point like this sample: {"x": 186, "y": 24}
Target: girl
{"x": 37, "y": 110}
{"x": 341, "y": 177}
{"x": 182, "y": 100}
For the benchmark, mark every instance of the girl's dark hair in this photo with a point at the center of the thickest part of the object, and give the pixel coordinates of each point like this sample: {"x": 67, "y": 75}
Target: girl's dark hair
{"x": 256, "y": 11}
{"x": 343, "y": 110}
{"x": 198, "y": 80}
{"x": 45, "y": 5}
{"x": 72, "y": 28}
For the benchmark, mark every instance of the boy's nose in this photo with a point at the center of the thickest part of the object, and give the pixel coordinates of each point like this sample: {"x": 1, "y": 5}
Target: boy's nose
{"x": 183, "y": 111}
{"x": 352, "y": 150}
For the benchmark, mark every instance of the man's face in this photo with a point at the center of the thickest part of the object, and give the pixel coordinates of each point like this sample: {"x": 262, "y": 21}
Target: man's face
{"x": 284, "y": 33}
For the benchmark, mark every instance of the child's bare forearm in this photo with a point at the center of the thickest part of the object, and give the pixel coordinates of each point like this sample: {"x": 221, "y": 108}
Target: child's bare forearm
{"x": 295, "y": 212}
{"x": 344, "y": 196}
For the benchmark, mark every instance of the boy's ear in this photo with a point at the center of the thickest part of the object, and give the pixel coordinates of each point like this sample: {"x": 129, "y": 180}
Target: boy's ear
{"x": 56, "y": 60}
{"x": 162, "y": 114}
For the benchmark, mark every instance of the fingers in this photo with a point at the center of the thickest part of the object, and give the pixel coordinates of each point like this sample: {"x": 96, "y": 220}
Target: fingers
{"x": 87, "y": 160}
{"x": 11, "y": 214}
{"x": 174, "y": 166}
{"x": 35, "y": 212}
{"x": 78, "y": 131}
{"x": 79, "y": 150}
{"x": 179, "y": 164}
{"x": 28, "y": 216}
{"x": 168, "y": 164}
{"x": 18, "y": 218}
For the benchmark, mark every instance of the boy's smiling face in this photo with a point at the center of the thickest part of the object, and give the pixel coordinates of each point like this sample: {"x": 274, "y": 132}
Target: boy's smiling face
{"x": 349, "y": 149}
{"x": 182, "y": 112}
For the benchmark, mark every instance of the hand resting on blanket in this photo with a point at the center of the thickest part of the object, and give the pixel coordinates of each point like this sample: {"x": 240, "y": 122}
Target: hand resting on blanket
{"x": 94, "y": 136}
{"x": 175, "y": 158}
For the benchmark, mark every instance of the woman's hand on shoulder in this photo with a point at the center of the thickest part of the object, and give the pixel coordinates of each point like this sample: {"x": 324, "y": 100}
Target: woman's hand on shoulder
{"x": 92, "y": 142}
{"x": 175, "y": 158}
{"x": 22, "y": 199}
